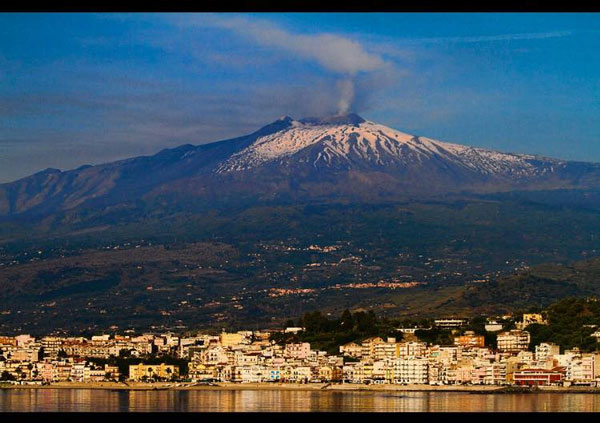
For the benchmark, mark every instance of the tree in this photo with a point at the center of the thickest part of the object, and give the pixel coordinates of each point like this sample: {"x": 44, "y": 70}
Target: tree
{"x": 477, "y": 325}
{"x": 315, "y": 322}
{"x": 346, "y": 321}
{"x": 124, "y": 353}
{"x": 366, "y": 322}
{"x": 170, "y": 374}
{"x": 7, "y": 376}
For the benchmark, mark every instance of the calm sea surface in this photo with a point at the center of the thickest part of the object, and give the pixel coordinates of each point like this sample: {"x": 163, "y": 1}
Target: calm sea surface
{"x": 277, "y": 400}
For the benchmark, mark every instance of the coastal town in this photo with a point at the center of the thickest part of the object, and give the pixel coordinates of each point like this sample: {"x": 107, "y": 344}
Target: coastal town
{"x": 254, "y": 357}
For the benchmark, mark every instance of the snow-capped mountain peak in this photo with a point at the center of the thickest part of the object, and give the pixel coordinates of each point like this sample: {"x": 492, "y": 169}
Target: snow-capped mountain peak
{"x": 321, "y": 158}
{"x": 351, "y": 140}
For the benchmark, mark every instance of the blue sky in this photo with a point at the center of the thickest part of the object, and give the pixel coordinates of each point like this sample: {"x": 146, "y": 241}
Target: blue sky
{"x": 90, "y": 88}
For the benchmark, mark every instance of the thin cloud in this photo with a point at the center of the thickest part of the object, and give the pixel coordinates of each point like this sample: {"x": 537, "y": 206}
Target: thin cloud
{"x": 334, "y": 52}
{"x": 489, "y": 38}
{"x": 350, "y": 60}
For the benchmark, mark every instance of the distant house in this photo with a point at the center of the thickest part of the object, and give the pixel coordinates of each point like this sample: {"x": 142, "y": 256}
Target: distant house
{"x": 493, "y": 326}
{"x": 449, "y": 323}
{"x": 351, "y": 349}
{"x": 530, "y": 319}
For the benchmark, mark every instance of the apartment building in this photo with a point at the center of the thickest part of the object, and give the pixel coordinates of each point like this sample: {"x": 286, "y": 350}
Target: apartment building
{"x": 546, "y": 351}
{"x": 388, "y": 349}
{"x": 138, "y": 372}
{"x": 513, "y": 341}
{"x": 410, "y": 370}
{"x": 412, "y": 349}
{"x": 298, "y": 351}
{"x": 469, "y": 340}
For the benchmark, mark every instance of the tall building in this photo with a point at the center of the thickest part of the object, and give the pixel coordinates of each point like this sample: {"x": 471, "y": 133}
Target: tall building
{"x": 410, "y": 371}
{"x": 513, "y": 341}
{"x": 546, "y": 351}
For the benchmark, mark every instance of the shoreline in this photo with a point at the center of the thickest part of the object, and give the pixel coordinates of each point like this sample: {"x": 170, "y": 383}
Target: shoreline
{"x": 323, "y": 387}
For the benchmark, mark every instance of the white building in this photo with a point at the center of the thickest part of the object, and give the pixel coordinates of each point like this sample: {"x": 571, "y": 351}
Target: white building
{"x": 495, "y": 374}
{"x": 388, "y": 349}
{"x": 449, "y": 323}
{"x": 493, "y": 326}
{"x": 253, "y": 374}
{"x": 410, "y": 370}
{"x": 299, "y": 374}
{"x": 546, "y": 351}
{"x": 513, "y": 341}
{"x": 583, "y": 370}
{"x": 300, "y": 351}
{"x": 412, "y": 349}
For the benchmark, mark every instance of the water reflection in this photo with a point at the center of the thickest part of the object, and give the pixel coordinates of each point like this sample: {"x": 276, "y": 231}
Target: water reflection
{"x": 281, "y": 400}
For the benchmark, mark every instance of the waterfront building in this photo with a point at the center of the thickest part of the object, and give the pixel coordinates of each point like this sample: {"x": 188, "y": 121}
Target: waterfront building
{"x": 583, "y": 370}
{"x": 495, "y": 374}
{"x": 410, "y": 371}
{"x": 534, "y": 377}
{"x": 140, "y": 372}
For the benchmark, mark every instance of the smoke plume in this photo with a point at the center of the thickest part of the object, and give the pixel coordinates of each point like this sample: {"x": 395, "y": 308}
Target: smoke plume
{"x": 344, "y": 57}
{"x": 346, "y": 89}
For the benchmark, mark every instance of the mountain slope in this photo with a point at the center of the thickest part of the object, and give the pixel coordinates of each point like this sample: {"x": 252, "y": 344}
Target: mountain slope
{"x": 342, "y": 156}
{"x": 540, "y": 285}
{"x": 52, "y": 190}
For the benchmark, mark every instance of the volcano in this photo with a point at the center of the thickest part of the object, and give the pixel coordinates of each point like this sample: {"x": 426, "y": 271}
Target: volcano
{"x": 343, "y": 156}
